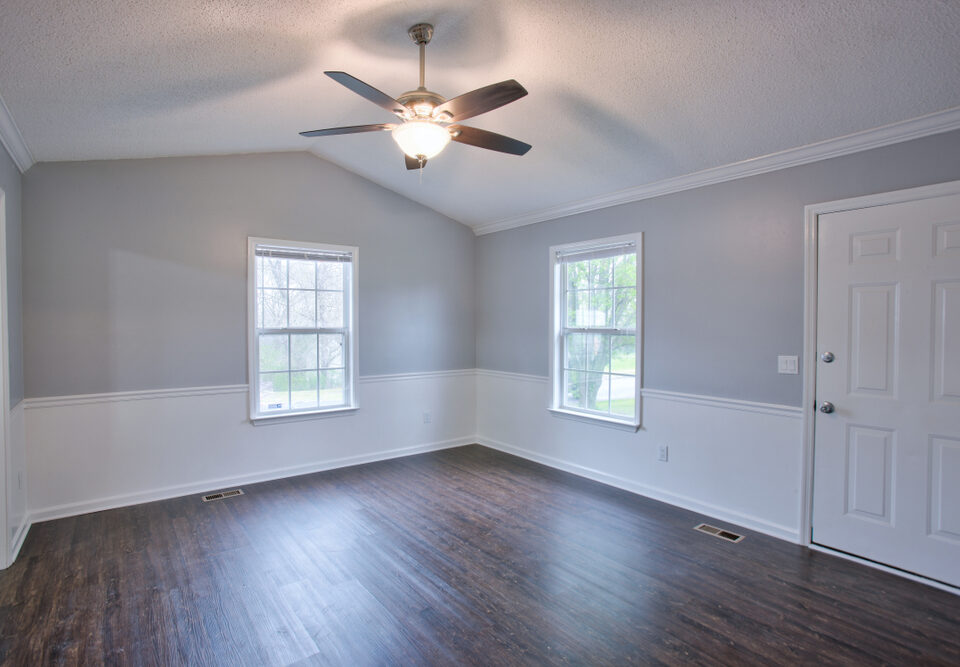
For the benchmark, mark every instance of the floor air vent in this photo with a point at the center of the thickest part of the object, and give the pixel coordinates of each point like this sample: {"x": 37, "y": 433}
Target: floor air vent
{"x": 718, "y": 532}
{"x": 222, "y": 495}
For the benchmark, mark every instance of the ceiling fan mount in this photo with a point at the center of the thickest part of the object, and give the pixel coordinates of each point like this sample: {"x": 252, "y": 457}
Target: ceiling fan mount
{"x": 421, "y": 33}
{"x": 427, "y": 118}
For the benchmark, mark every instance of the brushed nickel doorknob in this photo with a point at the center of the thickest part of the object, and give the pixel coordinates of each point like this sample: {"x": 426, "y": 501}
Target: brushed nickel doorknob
{"x": 827, "y": 357}
{"x": 826, "y": 407}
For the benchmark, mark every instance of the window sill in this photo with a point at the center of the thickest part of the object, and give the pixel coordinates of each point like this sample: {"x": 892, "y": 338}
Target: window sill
{"x": 598, "y": 420}
{"x": 263, "y": 420}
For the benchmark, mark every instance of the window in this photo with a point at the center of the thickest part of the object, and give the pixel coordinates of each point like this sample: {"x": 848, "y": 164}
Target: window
{"x": 302, "y": 332}
{"x": 595, "y": 342}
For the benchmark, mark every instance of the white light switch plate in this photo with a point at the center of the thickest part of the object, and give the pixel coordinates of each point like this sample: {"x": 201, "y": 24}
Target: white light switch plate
{"x": 788, "y": 365}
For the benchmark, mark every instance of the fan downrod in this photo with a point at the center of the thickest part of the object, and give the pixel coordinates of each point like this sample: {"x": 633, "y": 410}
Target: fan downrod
{"x": 421, "y": 34}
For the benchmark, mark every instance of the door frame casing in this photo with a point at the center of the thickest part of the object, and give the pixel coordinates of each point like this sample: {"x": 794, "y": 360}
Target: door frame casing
{"x": 6, "y": 541}
{"x": 811, "y": 215}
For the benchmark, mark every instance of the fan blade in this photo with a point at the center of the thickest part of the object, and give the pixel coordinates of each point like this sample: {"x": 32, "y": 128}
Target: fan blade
{"x": 481, "y": 100}
{"x": 489, "y": 140}
{"x": 412, "y": 162}
{"x": 353, "y": 129}
{"x": 367, "y": 91}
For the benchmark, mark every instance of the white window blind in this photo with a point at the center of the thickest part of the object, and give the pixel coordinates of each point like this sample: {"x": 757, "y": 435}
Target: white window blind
{"x": 596, "y": 252}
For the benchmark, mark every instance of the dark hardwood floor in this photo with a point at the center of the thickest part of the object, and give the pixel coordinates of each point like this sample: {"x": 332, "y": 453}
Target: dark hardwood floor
{"x": 461, "y": 556}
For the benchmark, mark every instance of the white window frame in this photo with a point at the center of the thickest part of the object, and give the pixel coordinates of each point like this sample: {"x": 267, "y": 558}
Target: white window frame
{"x": 351, "y": 347}
{"x": 557, "y": 309}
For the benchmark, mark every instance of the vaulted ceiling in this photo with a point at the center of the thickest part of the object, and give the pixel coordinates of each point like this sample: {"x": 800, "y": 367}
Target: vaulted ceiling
{"x": 622, "y": 92}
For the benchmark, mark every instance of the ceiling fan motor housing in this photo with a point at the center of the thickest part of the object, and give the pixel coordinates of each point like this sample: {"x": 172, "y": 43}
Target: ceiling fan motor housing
{"x": 421, "y": 33}
{"x": 421, "y": 102}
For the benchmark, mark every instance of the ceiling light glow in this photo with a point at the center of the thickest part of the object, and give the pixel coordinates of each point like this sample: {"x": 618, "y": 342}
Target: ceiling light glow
{"x": 421, "y": 138}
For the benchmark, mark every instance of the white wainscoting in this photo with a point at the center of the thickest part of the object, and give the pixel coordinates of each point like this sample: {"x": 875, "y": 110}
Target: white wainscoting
{"x": 94, "y": 452}
{"x": 737, "y": 461}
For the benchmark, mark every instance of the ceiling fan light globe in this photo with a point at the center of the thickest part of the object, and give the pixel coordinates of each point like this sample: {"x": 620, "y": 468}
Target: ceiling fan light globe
{"x": 421, "y": 138}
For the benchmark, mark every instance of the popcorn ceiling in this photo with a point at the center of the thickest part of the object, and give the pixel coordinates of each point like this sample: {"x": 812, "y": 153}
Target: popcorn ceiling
{"x": 622, "y": 93}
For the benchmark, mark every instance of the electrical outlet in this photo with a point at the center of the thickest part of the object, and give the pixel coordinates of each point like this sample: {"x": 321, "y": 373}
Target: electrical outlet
{"x": 663, "y": 453}
{"x": 427, "y": 418}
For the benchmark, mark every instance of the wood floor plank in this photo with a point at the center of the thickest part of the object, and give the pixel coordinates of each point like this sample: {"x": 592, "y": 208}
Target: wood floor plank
{"x": 464, "y": 556}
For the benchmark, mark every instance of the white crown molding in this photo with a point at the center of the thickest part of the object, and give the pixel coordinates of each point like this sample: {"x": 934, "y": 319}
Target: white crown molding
{"x": 915, "y": 128}
{"x": 13, "y": 141}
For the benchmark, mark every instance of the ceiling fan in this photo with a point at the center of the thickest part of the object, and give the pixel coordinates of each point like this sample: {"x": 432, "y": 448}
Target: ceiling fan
{"x": 428, "y": 121}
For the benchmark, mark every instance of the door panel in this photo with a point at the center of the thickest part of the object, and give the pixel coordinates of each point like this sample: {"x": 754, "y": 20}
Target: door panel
{"x": 945, "y": 487}
{"x": 873, "y": 333}
{"x": 946, "y": 346}
{"x": 887, "y": 460}
{"x": 948, "y": 238}
{"x": 875, "y": 246}
{"x": 869, "y": 472}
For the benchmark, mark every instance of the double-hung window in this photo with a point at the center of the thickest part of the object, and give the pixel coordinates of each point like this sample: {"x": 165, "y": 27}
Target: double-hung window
{"x": 303, "y": 326}
{"x": 595, "y": 342}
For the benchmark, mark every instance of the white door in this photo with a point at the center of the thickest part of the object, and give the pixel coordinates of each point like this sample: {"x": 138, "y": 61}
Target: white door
{"x": 887, "y": 459}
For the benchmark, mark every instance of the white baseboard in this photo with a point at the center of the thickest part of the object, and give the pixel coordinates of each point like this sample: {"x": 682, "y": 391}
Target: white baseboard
{"x": 94, "y": 452}
{"x": 714, "y": 511}
{"x": 18, "y": 522}
{"x": 207, "y": 486}
{"x": 19, "y": 537}
{"x": 736, "y": 460}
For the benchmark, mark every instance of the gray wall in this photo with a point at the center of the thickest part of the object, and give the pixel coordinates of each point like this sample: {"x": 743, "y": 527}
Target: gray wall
{"x": 135, "y": 270}
{"x": 723, "y": 274}
{"x": 10, "y": 184}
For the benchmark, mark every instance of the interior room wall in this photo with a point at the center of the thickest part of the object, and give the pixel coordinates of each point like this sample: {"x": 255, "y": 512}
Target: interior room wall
{"x": 134, "y": 300}
{"x": 135, "y": 270}
{"x": 723, "y": 272}
{"x": 722, "y": 298}
{"x": 135, "y": 324}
